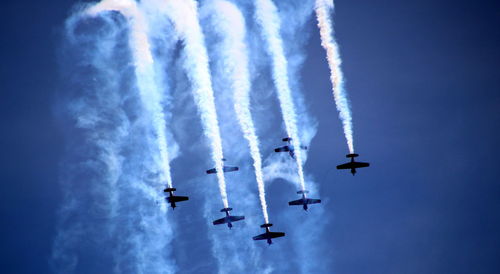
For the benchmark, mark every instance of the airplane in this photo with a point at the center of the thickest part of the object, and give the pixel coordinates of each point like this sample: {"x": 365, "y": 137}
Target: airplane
{"x": 304, "y": 201}
{"x": 352, "y": 165}
{"x": 228, "y": 219}
{"x": 224, "y": 169}
{"x": 268, "y": 235}
{"x": 288, "y": 148}
{"x": 172, "y": 199}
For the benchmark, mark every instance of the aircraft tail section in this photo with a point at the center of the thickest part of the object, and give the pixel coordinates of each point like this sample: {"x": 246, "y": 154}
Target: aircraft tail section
{"x": 266, "y": 225}
{"x": 169, "y": 189}
{"x": 226, "y": 209}
{"x": 302, "y": 191}
{"x": 352, "y": 155}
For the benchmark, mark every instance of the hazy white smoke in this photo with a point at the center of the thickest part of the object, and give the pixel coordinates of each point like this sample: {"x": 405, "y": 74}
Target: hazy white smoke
{"x": 143, "y": 232}
{"x": 184, "y": 15}
{"x": 267, "y": 16}
{"x": 144, "y": 69}
{"x": 230, "y": 24}
{"x": 323, "y": 10}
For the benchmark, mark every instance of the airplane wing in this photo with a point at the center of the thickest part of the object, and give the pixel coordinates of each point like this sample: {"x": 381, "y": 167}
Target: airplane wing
{"x": 177, "y": 199}
{"x": 296, "y": 202}
{"x": 260, "y": 237}
{"x": 313, "y": 201}
{"x": 276, "y": 234}
{"x": 230, "y": 168}
{"x": 360, "y": 164}
{"x": 346, "y": 166}
{"x": 236, "y": 218}
{"x": 220, "y": 221}
{"x": 353, "y": 165}
{"x": 224, "y": 169}
{"x": 282, "y": 149}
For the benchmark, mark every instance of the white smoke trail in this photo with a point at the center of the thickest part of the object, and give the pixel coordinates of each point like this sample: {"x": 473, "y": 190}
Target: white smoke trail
{"x": 230, "y": 24}
{"x": 144, "y": 68}
{"x": 145, "y": 232}
{"x": 267, "y": 16}
{"x": 184, "y": 15}
{"x": 323, "y": 9}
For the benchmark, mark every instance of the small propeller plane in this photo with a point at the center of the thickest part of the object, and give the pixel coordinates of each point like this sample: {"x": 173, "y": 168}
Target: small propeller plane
{"x": 268, "y": 235}
{"x": 352, "y": 165}
{"x": 224, "y": 169}
{"x": 172, "y": 199}
{"x": 288, "y": 148}
{"x": 304, "y": 201}
{"x": 228, "y": 219}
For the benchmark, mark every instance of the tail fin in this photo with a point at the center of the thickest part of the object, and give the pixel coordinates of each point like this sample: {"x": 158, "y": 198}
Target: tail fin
{"x": 302, "y": 191}
{"x": 169, "y": 189}
{"x": 352, "y": 155}
{"x": 266, "y": 225}
{"x": 226, "y": 209}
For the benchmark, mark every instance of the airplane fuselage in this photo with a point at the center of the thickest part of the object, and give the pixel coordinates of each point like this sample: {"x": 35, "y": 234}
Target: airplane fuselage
{"x": 304, "y": 202}
{"x": 268, "y": 236}
{"x": 292, "y": 150}
{"x": 171, "y": 200}
{"x": 228, "y": 220}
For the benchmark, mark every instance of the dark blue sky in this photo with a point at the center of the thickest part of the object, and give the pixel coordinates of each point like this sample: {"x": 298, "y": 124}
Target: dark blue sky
{"x": 424, "y": 84}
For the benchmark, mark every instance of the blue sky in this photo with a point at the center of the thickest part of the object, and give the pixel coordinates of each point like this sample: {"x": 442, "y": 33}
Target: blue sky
{"x": 423, "y": 82}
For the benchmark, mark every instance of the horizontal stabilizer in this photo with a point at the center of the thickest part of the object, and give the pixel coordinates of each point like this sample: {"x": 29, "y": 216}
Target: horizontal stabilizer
{"x": 226, "y": 209}
{"x": 169, "y": 189}
{"x": 287, "y": 139}
{"x": 352, "y": 155}
{"x": 266, "y": 225}
{"x": 302, "y": 191}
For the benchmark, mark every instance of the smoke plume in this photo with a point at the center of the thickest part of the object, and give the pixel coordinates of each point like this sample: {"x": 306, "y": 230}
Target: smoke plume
{"x": 323, "y": 10}
{"x": 266, "y": 14}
